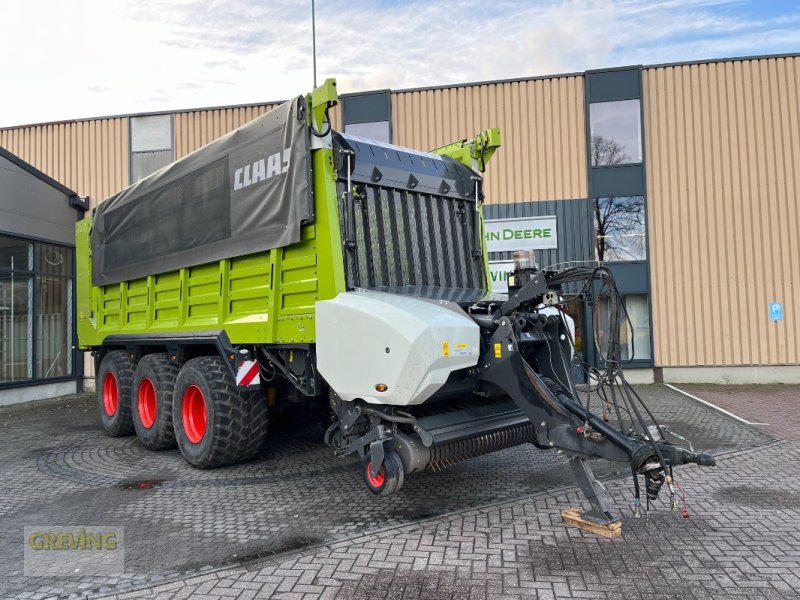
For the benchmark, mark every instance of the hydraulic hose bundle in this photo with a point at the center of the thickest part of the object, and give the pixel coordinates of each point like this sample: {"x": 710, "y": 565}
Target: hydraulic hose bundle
{"x": 608, "y": 386}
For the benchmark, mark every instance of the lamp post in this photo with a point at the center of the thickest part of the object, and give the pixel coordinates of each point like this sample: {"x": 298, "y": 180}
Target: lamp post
{"x": 314, "y": 41}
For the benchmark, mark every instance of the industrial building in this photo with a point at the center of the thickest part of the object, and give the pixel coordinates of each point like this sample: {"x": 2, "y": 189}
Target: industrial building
{"x": 682, "y": 178}
{"x": 38, "y": 358}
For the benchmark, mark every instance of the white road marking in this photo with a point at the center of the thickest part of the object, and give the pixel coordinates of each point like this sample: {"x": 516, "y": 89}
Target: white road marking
{"x": 714, "y": 406}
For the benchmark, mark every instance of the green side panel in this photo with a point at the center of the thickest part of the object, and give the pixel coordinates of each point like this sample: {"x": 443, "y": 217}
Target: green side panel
{"x": 261, "y": 298}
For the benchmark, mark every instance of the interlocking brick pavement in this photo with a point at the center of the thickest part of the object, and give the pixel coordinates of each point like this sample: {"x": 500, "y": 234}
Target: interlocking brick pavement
{"x": 498, "y": 533}
{"x": 775, "y": 407}
{"x": 742, "y": 540}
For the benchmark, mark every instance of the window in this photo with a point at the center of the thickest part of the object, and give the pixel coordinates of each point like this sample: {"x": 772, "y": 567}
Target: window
{"x": 616, "y": 132}
{"x": 151, "y": 145}
{"x": 368, "y": 115}
{"x": 619, "y": 229}
{"x": 575, "y": 310}
{"x": 15, "y": 255}
{"x": 378, "y": 130}
{"x": 36, "y": 325}
{"x": 634, "y": 337}
{"x": 53, "y": 311}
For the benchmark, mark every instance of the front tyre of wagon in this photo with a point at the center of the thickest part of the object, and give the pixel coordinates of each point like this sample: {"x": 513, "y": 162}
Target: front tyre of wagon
{"x": 389, "y": 478}
{"x": 153, "y": 387}
{"x": 114, "y": 389}
{"x": 215, "y": 424}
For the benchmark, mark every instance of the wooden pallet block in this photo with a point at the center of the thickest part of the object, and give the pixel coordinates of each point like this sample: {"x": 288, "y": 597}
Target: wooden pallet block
{"x": 572, "y": 518}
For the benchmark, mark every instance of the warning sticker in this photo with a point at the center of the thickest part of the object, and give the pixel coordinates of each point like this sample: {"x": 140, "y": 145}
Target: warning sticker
{"x": 248, "y": 373}
{"x": 461, "y": 349}
{"x": 445, "y": 349}
{"x": 498, "y": 350}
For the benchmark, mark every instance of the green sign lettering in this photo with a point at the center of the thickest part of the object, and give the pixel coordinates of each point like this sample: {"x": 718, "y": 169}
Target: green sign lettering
{"x": 522, "y": 232}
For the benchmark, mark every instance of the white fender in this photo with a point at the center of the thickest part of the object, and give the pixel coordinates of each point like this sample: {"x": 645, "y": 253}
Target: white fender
{"x": 410, "y": 345}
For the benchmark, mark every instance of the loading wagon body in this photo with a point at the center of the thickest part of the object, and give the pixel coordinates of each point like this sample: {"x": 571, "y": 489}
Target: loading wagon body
{"x": 289, "y": 265}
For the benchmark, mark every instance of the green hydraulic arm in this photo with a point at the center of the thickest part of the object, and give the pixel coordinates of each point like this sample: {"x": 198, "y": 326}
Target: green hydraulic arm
{"x": 319, "y": 102}
{"x": 474, "y": 153}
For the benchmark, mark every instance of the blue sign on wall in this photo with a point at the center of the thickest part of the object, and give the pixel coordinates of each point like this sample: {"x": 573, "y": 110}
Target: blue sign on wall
{"x": 776, "y": 311}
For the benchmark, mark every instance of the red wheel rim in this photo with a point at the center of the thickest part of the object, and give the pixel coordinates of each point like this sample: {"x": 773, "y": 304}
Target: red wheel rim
{"x": 146, "y": 403}
{"x": 378, "y": 480}
{"x": 194, "y": 414}
{"x": 110, "y": 394}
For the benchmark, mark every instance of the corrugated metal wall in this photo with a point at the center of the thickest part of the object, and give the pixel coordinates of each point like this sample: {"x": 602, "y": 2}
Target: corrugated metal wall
{"x": 336, "y": 118}
{"x": 543, "y": 155}
{"x": 89, "y": 157}
{"x": 196, "y": 128}
{"x": 541, "y": 123}
{"x": 723, "y": 156}
{"x": 722, "y": 149}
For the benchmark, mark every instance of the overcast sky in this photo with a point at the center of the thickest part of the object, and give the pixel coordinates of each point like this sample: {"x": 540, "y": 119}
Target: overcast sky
{"x": 66, "y": 59}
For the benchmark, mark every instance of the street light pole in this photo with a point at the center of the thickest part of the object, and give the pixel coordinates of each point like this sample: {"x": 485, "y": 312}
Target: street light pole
{"x": 314, "y": 41}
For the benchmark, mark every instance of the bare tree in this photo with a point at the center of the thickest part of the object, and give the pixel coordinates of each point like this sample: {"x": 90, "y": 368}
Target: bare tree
{"x": 606, "y": 151}
{"x": 618, "y": 221}
{"x": 619, "y": 228}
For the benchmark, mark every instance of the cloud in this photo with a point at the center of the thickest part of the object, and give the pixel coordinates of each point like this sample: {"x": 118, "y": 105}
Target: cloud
{"x": 186, "y": 53}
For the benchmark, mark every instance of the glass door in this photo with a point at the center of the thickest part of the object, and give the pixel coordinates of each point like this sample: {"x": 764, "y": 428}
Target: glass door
{"x": 16, "y": 310}
{"x": 16, "y": 328}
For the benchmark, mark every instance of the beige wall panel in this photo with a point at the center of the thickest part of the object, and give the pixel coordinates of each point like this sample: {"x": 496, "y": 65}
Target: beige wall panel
{"x": 335, "y": 115}
{"x": 723, "y": 156}
{"x": 196, "y": 128}
{"x": 541, "y": 121}
{"x": 89, "y": 157}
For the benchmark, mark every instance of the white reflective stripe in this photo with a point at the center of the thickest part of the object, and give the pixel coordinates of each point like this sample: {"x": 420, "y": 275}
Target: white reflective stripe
{"x": 248, "y": 373}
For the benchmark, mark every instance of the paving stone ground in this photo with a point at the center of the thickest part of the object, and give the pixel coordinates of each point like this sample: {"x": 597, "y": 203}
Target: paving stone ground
{"x": 486, "y": 528}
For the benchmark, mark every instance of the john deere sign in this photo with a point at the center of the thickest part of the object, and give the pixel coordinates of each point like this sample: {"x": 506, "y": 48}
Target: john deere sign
{"x": 527, "y": 233}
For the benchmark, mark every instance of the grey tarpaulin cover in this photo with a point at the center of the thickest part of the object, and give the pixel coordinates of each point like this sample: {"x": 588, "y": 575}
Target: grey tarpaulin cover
{"x": 246, "y": 192}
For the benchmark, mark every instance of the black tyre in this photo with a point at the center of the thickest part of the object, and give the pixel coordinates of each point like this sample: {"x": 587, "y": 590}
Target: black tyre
{"x": 259, "y": 422}
{"x": 390, "y": 476}
{"x": 153, "y": 387}
{"x": 114, "y": 390}
{"x": 214, "y": 423}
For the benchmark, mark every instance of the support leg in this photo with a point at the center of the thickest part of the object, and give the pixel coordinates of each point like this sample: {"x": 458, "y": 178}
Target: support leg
{"x": 591, "y": 489}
